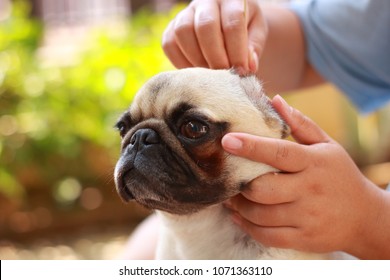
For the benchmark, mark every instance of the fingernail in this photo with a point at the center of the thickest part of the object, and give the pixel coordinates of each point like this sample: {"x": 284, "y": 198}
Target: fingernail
{"x": 231, "y": 143}
{"x": 287, "y": 107}
{"x": 253, "y": 61}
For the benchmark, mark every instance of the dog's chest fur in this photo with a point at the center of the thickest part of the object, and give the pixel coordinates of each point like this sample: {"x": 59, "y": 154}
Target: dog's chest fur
{"x": 210, "y": 234}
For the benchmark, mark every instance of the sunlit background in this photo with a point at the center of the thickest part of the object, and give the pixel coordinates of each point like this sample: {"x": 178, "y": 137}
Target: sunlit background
{"x": 68, "y": 68}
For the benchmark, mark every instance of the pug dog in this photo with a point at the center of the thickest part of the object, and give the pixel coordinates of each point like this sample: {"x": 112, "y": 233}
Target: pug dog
{"x": 172, "y": 160}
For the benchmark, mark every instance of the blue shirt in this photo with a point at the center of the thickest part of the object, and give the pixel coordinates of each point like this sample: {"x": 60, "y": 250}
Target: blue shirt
{"x": 348, "y": 43}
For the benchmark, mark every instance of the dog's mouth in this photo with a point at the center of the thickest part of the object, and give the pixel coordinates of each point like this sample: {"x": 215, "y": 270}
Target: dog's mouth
{"x": 125, "y": 193}
{"x": 122, "y": 189}
{"x": 134, "y": 185}
{"x": 163, "y": 180}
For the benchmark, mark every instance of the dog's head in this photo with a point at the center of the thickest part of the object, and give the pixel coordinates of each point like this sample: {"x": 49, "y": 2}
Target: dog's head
{"x": 172, "y": 158}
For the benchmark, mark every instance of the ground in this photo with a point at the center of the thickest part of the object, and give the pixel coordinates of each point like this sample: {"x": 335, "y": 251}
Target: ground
{"x": 102, "y": 245}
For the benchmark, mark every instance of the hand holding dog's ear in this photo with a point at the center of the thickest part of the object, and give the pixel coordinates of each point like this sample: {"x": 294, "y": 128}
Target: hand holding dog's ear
{"x": 217, "y": 35}
{"x": 284, "y": 155}
{"x": 320, "y": 202}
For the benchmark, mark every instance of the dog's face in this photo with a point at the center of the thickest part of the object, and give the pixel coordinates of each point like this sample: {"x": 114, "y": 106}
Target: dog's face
{"x": 171, "y": 157}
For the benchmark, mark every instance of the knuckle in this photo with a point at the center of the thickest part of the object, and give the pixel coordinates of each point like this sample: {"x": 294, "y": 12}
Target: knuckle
{"x": 314, "y": 212}
{"x": 169, "y": 48}
{"x": 167, "y": 42}
{"x": 320, "y": 165}
{"x": 251, "y": 148}
{"x": 302, "y": 121}
{"x": 235, "y": 22}
{"x": 282, "y": 151}
{"x": 183, "y": 21}
{"x": 323, "y": 156}
{"x": 167, "y": 37}
{"x": 206, "y": 22}
{"x": 183, "y": 27}
{"x": 307, "y": 236}
{"x": 316, "y": 190}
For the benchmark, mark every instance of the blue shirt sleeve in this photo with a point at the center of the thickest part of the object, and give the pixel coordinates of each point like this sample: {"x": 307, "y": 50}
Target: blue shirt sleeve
{"x": 348, "y": 43}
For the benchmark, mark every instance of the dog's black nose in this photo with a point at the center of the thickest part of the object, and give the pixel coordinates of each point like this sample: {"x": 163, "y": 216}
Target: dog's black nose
{"x": 145, "y": 136}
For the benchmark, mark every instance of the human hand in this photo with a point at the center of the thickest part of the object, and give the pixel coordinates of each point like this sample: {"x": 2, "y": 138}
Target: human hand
{"x": 320, "y": 202}
{"x": 218, "y": 35}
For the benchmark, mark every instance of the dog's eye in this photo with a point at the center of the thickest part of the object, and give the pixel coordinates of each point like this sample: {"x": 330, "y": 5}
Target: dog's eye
{"x": 194, "y": 129}
{"x": 121, "y": 127}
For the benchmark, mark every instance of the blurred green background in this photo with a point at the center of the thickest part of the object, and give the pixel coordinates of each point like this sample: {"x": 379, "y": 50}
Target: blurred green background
{"x": 61, "y": 91}
{"x": 58, "y": 108}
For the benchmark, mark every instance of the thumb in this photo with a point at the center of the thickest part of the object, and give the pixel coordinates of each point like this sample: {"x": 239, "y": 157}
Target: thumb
{"x": 303, "y": 129}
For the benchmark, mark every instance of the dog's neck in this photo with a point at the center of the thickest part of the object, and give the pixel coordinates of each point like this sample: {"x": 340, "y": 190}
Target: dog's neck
{"x": 211, "y": 234}
{"x": 192, "y": 236}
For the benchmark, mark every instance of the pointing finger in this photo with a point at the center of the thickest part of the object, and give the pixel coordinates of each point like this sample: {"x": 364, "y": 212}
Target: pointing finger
{"x": 281, "y": 154}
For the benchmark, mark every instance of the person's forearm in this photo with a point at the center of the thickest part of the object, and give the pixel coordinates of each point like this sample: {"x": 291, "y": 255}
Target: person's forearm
{"x": 283, "y": 65}
{"x": 373, "y": 239}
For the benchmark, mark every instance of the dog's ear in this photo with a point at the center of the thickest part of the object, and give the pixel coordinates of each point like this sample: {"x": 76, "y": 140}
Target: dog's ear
{"x": 253, "y": 89}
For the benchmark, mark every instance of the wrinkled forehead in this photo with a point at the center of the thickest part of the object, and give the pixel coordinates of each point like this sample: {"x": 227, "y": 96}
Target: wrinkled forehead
{"x": 162, "y": 94}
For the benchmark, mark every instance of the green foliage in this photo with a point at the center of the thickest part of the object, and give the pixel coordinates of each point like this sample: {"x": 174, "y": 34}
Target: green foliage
{"x": 50, "y": 113}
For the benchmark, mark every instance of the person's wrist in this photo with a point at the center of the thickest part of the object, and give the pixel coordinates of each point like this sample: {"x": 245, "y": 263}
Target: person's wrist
{"x": 368, "y": 240}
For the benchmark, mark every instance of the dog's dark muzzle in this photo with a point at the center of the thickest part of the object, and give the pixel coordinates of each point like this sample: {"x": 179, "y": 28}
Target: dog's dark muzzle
{"x": 139, "y": 142}
{"x": 144, "y": 137}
